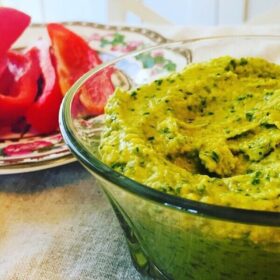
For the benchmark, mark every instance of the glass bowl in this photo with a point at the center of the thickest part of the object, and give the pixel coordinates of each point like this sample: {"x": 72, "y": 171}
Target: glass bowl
{"x": 170, "y": 237}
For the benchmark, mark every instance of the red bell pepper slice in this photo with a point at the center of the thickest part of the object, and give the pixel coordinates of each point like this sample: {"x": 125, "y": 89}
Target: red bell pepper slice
{"x": 42, "y": 115}
{"x": 74, "y": 58}
{"x": 73, "y": 55}
{"x": 3, "y": 64}
{"x": 22, "y": 92}
{"x": 96, "y": 91}
{"x": 6, "y": 79}
{"x": 12, "y": 24}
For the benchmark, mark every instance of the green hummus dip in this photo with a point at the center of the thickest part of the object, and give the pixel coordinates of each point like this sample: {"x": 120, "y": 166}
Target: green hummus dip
{"x": 209, "y": 133}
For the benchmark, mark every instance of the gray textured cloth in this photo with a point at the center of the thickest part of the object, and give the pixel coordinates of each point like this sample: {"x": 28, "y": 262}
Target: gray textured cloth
{"x": 57, "y": 224}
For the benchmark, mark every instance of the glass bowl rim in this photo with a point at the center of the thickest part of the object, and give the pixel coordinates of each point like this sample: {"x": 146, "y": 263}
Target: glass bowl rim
{"x": 102, "y": 171}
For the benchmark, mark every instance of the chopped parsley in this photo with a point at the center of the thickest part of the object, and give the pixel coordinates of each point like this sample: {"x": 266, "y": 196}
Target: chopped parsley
{"x": 215, "y": 156}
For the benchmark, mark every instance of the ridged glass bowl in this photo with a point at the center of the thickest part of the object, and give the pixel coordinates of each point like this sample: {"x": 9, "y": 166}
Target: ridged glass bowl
{"x": 170, "y": 237}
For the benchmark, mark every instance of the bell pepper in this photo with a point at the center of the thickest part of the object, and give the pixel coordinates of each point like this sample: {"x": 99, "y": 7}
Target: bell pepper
{"x": 73, "y": 55}
{"x": 42, "y": 115}
{"x": 14, "y": 93}
{"x": 6, "y": 79}
{"x": 12, "y": 24}
{"x": 22, "y": 92}
{"x": 3, "y": 64}
{"x": 95, "y": 92}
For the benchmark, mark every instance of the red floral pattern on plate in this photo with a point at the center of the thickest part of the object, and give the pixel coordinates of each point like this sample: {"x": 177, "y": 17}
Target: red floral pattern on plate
{"x": 25, "y": 148}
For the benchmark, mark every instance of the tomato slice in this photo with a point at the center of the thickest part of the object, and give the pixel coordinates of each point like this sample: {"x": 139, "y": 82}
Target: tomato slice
{"x": 73, "y": 55}
{"x": 12, "y": 24}
{"x": 22, "y": 92}
{"x": 42, "y": 115}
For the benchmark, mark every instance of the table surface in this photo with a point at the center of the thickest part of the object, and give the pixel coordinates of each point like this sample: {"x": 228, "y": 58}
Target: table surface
{"x": 57, "y": 224}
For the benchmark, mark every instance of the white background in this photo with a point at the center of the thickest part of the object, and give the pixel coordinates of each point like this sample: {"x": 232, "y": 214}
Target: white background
{"x": 183, "y": 12}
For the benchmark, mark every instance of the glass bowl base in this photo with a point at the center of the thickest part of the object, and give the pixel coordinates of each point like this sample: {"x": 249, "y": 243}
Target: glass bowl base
{"x": 141, "y": 262}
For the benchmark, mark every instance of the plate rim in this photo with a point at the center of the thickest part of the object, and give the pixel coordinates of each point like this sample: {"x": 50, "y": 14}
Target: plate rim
{"x": 144, "y": 31}
{"x": 42, "y": 165}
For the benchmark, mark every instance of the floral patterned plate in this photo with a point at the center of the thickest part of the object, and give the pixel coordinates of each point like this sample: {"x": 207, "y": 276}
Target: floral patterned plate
{"x": 26, "y": 153}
